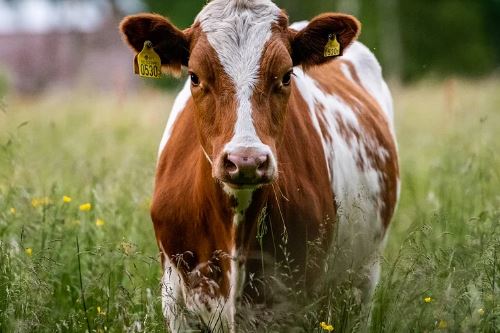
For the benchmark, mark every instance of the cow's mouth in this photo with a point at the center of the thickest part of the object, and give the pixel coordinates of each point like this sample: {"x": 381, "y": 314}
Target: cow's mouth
{"x": 247, "y": 181}
{"x": 246, "y": 186}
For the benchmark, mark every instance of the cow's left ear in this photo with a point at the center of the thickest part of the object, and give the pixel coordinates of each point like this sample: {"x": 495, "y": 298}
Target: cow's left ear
{"x": 308, "y": 44}
{"x": 171, "y": 44}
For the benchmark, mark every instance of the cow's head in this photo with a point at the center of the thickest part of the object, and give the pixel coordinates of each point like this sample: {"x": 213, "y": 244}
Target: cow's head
{"x": 240, "y": 57}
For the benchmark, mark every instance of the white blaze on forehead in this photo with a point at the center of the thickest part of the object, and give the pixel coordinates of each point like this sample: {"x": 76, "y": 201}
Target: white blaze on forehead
{"x": 238, "y": 31}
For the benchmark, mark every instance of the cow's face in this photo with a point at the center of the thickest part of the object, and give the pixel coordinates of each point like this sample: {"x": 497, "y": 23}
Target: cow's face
{"x": 240, "y": 57}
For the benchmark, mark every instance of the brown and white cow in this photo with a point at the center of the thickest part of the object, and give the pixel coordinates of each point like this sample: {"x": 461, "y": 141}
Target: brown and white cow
{"x": 266, "y": 129}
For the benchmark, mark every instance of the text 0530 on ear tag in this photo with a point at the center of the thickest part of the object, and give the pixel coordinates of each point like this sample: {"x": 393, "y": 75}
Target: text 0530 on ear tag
{"x": 148, "y": 63}
{"x": 332, "y": 47}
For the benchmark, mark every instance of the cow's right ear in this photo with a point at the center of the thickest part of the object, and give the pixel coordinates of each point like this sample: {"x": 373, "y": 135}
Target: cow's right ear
{"x": 171, "y": 44}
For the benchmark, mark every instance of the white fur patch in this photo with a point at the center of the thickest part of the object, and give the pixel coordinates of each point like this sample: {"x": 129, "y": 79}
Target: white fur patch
{"x": 299, "y": 25}
{"x": 238, "y": 31}
{"x": 370, "y": 75}
{"x": 243, "y": 198}
{"x": 179, "y": 105}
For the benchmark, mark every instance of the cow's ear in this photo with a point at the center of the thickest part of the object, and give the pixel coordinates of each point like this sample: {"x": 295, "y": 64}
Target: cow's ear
{"x": 308, "y": 44}
{"x": 171, "y": 44}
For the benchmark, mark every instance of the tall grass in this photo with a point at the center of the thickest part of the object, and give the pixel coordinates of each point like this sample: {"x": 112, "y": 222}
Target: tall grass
{"x": 65, "y": 269}
{"x": 95, "y": 150}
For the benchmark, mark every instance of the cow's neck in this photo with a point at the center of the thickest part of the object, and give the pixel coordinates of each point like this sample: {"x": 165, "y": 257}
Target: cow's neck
{"x": 246, "y": 207}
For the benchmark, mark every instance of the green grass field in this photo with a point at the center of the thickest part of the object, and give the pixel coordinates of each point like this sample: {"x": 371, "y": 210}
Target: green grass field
{"x": 66, "y": 266}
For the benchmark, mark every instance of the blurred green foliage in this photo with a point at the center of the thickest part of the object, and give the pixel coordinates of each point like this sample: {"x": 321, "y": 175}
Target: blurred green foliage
{"x": 4, "y": 86}
{"x": 412, "y": 39}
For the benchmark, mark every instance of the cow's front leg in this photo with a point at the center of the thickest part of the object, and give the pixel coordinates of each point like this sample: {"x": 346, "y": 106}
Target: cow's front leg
{"x": 172, "y": 301}
{"x": 192, "y": 300}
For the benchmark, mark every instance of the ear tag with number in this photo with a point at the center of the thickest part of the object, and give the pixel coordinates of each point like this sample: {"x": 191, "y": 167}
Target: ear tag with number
{"x": 148, "y": 63}
{"x": 332, "y": 48}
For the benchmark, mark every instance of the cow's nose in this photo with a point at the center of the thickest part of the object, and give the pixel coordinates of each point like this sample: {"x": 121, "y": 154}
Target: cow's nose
{"x": 249, "y": 166}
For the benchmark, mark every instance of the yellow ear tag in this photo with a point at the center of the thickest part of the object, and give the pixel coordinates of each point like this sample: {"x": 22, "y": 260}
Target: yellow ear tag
{"x": 332, "y": 48}
{"x": 148, "y": 63}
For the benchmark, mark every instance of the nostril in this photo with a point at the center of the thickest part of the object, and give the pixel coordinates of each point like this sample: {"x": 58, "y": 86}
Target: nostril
{"x": 229, "y": 166}
{"x": 262, "y": 163}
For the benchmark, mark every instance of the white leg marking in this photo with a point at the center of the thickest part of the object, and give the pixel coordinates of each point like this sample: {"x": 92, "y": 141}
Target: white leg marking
{"x": 237, "y": 278}
{"x": 217, "y": 313}
{"x": 171, "y": 297}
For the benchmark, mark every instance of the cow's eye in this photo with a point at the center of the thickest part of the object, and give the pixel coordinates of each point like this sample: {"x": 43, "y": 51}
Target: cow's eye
{"x": 287, "y": 78}
{"x": 195, "y": 80}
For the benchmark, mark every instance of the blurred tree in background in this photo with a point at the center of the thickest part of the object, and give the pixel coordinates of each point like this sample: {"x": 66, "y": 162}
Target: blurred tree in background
{"x": 412, "y": 39}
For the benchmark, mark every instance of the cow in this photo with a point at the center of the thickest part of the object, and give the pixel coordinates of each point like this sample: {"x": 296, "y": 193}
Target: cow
{"x": 270, "y": 131}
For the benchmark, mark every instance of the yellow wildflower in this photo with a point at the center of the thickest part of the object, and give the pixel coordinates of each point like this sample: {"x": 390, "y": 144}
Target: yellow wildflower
{"x": 37, "y": 202}
{"x": 28, "y": 251}
{"x": 480, "y": 311}
{"x": 442, "y": 324}
{"x": 326, "y": 327}
{"x": 12, "y": 211}
{"x": 100, "y": 312}
{"x": 85, "y": 207}
{"x": 428, "y": 299}
{"x": 67, "y": 199}
{"x": 99, "y": 222}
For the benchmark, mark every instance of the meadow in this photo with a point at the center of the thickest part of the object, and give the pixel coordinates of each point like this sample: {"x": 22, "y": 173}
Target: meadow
{"x": 77, "y": 248}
